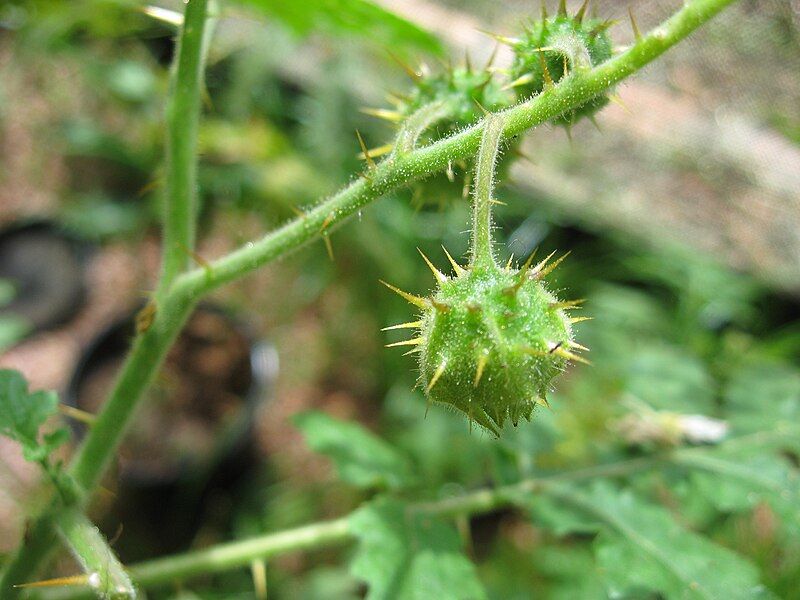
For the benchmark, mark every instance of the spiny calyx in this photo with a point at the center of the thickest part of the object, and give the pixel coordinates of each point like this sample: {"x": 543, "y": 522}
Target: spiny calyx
{"x": 551, "y": 48}
{"x": 492, "y": 338}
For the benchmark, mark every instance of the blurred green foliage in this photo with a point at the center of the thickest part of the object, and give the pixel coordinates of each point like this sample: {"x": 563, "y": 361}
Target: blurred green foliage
{"x": 672, "y": 331}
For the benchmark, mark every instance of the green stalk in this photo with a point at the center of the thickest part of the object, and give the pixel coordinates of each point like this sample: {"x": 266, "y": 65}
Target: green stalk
{"x": 182, "y": 118}
{"x": 482, "y": 255}
{"x": 177, "y": 299}
{"x": 150, "y": 346}
{"x": 574, "y": 90}
{"x": 233, "y": 555}
{"x": 105, "y": 573}
{"x": 416, "y": 124}
{"x": 241, "y": 553}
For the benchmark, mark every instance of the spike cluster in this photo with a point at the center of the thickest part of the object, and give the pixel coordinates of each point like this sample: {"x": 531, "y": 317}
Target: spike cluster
{"x": 465, "y": 92}
{"x": 490, "y": 339}
{"x": 552, "y": 47}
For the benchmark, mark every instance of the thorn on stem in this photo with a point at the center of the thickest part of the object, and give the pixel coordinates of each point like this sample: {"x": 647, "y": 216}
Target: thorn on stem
{"x": 364, "y": 150}
{"x": 438, "y": 275}
{"x": 415, "y": 300}
{"x": 409, "y": 325}
{"x": 482, "y": 360}
{"x": 328, "y": 245}
{"x": 636, "y": 33}
{"x": 411, "y": 342}
{"x": 459, "y": 270}
{"x": 439, "y": 371}
{"x": 548, "y": 79}
{"x": 382, "y": 113}
{"x": 542, "y": 271}
{"x": 582, "y": 11}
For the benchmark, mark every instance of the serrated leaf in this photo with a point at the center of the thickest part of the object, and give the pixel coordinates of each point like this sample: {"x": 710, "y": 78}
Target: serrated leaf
{"x": 22, "y": 414}
{"x": 350, "y": 17}
{"x": 361, "y": 458}
{"x": 405, "y": 555}
{"x": 641, "y": 548}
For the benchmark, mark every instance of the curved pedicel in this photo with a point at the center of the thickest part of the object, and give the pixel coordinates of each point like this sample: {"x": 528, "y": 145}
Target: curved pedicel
{"x": 492, "y": 338}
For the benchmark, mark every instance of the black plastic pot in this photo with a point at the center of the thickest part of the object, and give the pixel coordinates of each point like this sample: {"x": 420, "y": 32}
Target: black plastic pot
{"x": 46, "y": 266}
{"x": 193, "y": 437}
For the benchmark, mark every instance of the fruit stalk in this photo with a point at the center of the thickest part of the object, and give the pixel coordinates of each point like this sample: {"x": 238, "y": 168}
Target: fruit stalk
{"x": 482, "y": 193}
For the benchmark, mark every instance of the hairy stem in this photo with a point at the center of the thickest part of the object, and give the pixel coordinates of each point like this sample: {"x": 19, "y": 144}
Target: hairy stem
{"x": 182, "y": 118}
{"x": 104, "y": 572}
{"x": 316, "y": 535}
{"x": 172, "y": 309}
{"x": 482, "y": 193}
{"x": 177, "y": 298}
{"x": 416, "y": 124}
{"x": 574, "y": 90}
{"x": 241, "y": 553}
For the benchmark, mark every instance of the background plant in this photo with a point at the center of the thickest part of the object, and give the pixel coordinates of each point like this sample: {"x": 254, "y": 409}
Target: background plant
{"x": 444, "y": 542}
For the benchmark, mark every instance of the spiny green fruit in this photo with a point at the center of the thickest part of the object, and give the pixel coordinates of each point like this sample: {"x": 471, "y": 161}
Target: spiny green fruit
{"x": 492, "y": 338}
{"x": 462, "y": 90}
{"x": 441, "y": 103}
{"x": 551, "y": 48}
{"x": 454, "y": 97}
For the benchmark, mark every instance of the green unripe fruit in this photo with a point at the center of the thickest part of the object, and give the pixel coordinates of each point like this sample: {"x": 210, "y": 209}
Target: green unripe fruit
{"x": 491, "y": 339}
{"x": 551, "y": 48}
{"x": 461, "y": 91}
{"x": 495, "y": 339}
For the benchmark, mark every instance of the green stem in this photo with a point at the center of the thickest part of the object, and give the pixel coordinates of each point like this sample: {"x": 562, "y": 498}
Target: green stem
{"x": 416, "y": 124}
{"x": 482, "y": 193}
{"x": 574, "y": 90}
{"x": 241, "y": 553}
{"x": 175, "y": 301}
{"x": 238, "y": 554}
{"x": 151, "y": 346}
{"x": 105, "y": 573}
{"x": 182, "y": 119}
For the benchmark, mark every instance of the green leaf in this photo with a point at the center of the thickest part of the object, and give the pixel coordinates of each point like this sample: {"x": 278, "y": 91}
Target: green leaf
{"x": 361, "y": 458}
{"x": 641, "y": 548}
{"x": 12, "y": 330}
{"x": 404, "y": 555}
{"x": 736, "y": 482}
{"x": 348, "y": 17}
{"x": 760, "y": 396}
{"x": 22, "y": 414}
{"x": 668, "y": 378}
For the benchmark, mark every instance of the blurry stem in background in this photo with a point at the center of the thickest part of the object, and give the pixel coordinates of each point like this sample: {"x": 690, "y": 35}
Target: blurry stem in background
{"x": 242, "y": 553}
{"x": 182, "y": 118}
{"x": 171, "y": 310}
{"x": 178, "y": 295}
{"x": 104, "y": 573}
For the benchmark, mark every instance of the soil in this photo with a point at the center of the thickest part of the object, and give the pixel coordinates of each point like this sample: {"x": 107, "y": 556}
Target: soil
{"x": 201, "y": 387}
